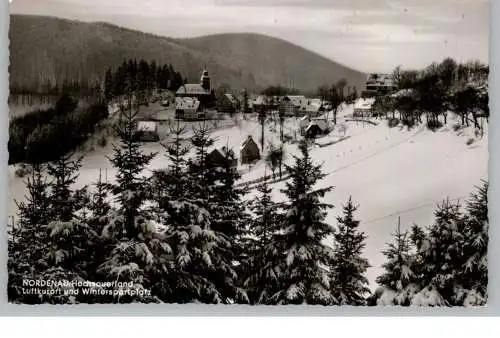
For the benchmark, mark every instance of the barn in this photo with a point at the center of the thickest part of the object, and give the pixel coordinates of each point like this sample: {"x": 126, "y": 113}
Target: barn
{"x": 249, "y": 151}
{"x": 147, "y": 131}
{"x": 316, "y": 128}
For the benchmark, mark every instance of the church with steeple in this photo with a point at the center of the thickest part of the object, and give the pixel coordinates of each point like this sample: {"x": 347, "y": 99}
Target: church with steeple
{"x": 202, "y": 91}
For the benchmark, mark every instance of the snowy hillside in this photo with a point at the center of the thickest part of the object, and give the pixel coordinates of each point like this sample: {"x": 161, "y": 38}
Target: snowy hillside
{"x": 389, "y": 172}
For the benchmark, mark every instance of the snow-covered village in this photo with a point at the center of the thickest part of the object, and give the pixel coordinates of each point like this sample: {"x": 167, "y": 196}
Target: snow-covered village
{"x": 135, "y": 179}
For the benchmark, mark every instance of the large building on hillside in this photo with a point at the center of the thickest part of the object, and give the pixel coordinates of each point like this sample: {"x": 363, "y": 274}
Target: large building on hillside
{"x": 378, "y": 84}
{"x": 202, "y": 92}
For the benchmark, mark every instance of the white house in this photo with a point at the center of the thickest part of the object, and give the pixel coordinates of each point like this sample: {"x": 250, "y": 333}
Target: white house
{"x": 147, "y": 131}
{"x": 187, "y": 108}
{"x": 363, "y": 107}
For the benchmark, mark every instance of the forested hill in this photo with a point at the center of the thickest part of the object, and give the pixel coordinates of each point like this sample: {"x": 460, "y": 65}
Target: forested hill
{"x": 52, "y": 50}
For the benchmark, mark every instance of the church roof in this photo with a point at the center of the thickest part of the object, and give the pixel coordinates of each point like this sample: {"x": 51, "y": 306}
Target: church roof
{"x": 193, "y": 88}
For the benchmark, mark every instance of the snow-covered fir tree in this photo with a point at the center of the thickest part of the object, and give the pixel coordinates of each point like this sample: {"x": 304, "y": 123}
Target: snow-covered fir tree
{"x": 445, "y": 264}
{"x": 170, "y": 183}
{"x": 188, "y": 229}
{"x": 260, "y": 278}
{"x": 137, "y": 249}
{"x": 51, "y": 243}
{"x": 70, "y": 238}
{"x": 441, "y": 256}
{"x": 131, "y": 188}
{"x": 212, "y": 188}
{"x": 96, "y": 214}
{"x": 184, "y": 209}
{"x": 27, "y": 240}
{"x": 349, "y": 284}
{"x": 473, "y": 276}
{"x": 64, "y": 172}
{"x": 301, "y": 271}
{"x": 396, "y": 282}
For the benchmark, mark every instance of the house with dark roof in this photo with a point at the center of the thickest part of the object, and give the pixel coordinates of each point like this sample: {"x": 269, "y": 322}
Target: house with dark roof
{"x": 201, "y": 91}
{"x": 317, "y": 128}
{"x": 249, "y": 151}
{"x": 227, "y": 104}
{"x": 221, "y": 158}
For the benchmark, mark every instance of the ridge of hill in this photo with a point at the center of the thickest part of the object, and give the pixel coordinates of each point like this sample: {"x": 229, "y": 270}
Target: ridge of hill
{"x": 51, "y": 49}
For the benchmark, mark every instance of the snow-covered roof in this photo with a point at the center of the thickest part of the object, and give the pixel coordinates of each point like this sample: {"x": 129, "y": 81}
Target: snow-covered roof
{"x": 192, "y": 88}
{"x": 146, "y": 126}
{"x": 186, "y": 103}
{"x": 259, "y": 100}
{"x": 315, "y": 101}
{"x": 304, "y": 122}
{"x": 297, "y": 100}
{"x": 322, "y": 124}
{"x": 404, "y": 92}
{"x": 364, "y": 103}
{"x": 313, "y": 107}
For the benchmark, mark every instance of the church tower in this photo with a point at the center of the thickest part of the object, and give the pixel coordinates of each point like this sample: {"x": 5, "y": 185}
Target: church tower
{"x": 205, "y": 80}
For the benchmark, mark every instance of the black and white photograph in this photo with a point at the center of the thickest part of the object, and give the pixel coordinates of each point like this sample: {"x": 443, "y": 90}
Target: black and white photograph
{"x": 248, "y": 152}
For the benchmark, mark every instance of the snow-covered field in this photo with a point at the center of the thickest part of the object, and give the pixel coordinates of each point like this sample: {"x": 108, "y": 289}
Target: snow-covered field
{"x": 389, "y": 172}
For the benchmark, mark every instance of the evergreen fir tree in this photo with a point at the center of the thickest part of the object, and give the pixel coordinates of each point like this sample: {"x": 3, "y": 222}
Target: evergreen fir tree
{"x": 46, "y": 247}
{"x": 171, "y": 183}
{"x": 229, "y": 220}
{"x": 183, "y": 209}
{"x": 260, "y": 279}
{"x": 212, "y": 188}
{"x": 138, "y": 251}
{"x": 246, "y": 108}
{"x": 349, "y": 284}
{"x": 473, "y": 276}
{"x": 65, "y": 173}
{"x": 108, "y": 85}
{"x": 131, "y": 189}
{"x": 439, "y": 257}
{"x": 302, "y": 273}
{"x": 396, "y": 281}
{"x": 26, "y": 241}
{"x": 98, "y": 218}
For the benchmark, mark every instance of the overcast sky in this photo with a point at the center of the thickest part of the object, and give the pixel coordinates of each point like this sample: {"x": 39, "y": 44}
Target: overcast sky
{"x": 369, "y": 35}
